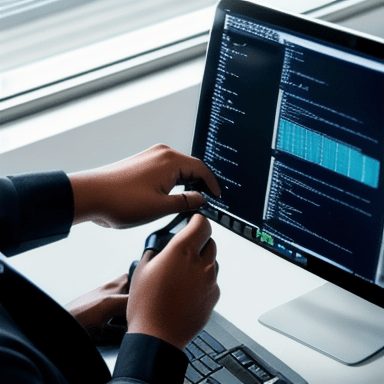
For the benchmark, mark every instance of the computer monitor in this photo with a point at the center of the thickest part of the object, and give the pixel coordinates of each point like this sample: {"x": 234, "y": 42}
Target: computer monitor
{"x": 291, "y": 121}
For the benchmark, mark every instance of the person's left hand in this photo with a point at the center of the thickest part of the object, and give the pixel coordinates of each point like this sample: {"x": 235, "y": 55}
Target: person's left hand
{"x": 174, "y": 292}
{"x": 136, "y": 190}
{"x": 94, "y": 309}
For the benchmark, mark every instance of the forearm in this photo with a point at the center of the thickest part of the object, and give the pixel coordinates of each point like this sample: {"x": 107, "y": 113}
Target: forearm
{"x": 86, "y": 188}
{"x": 35, "y": 209}
{"x": 93, "y": 192}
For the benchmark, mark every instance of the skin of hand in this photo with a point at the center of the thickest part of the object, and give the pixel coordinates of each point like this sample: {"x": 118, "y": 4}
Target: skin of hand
{"x": 173, "y": 294}
{"x": 136, "y": 190}
{"x": 94, "y": 309}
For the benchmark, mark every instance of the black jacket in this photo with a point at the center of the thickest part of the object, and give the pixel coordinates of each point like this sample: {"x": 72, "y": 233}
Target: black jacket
{"x": 40, "y": 342}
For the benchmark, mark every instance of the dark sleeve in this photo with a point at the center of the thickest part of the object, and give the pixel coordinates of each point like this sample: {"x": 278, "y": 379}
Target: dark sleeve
{"x": 20, "y": 360}
{"x": 146, "y": 359}
{"x": 35, "y": 209}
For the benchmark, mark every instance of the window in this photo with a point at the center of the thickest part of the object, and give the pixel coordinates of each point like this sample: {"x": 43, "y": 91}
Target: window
{"x": 43, "y": 42}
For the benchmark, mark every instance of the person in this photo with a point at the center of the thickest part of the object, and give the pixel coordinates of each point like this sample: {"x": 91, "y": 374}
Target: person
{"x": 172, "y": 294}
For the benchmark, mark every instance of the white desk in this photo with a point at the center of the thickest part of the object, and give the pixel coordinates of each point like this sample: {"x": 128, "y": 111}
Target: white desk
{"x": 251, "y": 280}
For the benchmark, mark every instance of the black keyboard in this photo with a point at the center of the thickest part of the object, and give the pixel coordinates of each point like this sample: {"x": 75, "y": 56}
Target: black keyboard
{"x": 211, "y": 363}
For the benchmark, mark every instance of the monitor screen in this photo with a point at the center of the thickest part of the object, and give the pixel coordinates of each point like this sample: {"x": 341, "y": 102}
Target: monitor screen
{"x": 291, "y": 122}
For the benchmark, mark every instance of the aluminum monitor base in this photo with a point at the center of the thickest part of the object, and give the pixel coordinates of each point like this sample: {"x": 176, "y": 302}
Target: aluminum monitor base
{"x": 332, "y": 321}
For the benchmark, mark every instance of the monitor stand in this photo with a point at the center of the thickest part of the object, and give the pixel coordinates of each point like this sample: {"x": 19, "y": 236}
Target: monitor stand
{"x": 332, "y": 321}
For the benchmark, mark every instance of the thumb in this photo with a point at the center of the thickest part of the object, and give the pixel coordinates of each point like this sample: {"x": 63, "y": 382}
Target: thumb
{"x": 186, "y": 201}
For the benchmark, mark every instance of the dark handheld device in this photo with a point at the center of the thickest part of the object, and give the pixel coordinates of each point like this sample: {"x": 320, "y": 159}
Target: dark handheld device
{"x": 159, "y": 239}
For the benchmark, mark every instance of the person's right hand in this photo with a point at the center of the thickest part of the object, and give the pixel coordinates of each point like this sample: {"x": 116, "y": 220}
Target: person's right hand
{"x": 172, "y": 295}
{"x": 137, "y": 190}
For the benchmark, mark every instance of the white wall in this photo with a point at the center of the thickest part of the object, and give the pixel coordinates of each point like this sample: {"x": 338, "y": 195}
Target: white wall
{"x": 169, "y": 119}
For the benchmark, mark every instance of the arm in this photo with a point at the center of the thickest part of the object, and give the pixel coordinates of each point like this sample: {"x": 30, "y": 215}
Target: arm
{"x": 171, "y": 299}
{"x": 136, "y": 190}
{"x": 39, "y": 209}
{"x": 35, "y": 209}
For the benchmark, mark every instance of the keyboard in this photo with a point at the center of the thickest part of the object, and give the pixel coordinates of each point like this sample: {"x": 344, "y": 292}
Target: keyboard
{"x": 223, "y": 354}
{"x": 211, "y": 363}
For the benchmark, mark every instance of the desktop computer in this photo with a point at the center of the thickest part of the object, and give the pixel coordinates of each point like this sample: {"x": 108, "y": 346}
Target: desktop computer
{"x": 290, "y": 121}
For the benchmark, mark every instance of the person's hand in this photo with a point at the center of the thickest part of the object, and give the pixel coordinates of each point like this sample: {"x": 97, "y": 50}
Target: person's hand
{"x": 94, "y": 309}
{"x": 136, "y": 190}
{"x": 172, "y": 294}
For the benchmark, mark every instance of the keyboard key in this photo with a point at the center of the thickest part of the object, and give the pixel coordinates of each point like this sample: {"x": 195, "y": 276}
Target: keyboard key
{"x": 201, "y": 368}
{"x": 243, "y": 358}
{"x": 189, "y": 354}
{"x": 248, "y": 232}
{"x": 213, "y": 343}
{"x": 225, "y": 377}
{"x": 236, "y": 226}
{"x": 210, "y": 363}
{"x": 226, "y": 221}
{"x": 203, "y": 346}
{"x": 258, "y": 372}
{"x": 210, "y": 380}
{"x": 211, "y": 213}
{"x": 192, "y": 375}
{"x": 195, "y": 351}
{"x": 276, "y": 380}
{"x": 238, "y": 370}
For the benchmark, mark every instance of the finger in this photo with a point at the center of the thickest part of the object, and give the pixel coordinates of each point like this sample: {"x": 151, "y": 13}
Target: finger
{"x": 148, "y": 256}
{"x": 196, "y": 234}
{"x": 186, "y": 201}
{"x": 193, "y": 169}
{"x": 208, "y": 253}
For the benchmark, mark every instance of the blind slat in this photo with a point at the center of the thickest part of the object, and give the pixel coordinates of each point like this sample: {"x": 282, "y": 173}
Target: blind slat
{"x": 80, "y": 24}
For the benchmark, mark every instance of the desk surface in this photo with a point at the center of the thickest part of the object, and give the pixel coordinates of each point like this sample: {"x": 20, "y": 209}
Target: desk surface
{"x": 251, "y": 280}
